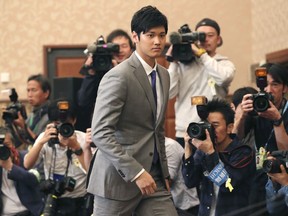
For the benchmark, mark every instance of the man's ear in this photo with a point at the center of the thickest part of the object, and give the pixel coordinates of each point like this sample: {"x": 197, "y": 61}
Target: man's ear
{"x": 230, "y": 128}
{"x": 135, "y": 37}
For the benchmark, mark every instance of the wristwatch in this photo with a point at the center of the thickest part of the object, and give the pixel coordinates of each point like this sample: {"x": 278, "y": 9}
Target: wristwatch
{"x": 78, "y": 151}
{"x": 278, "y": 122}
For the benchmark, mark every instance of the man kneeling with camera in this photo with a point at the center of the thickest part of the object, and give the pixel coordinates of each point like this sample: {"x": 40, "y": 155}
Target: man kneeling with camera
{"x": 65, "y": 173}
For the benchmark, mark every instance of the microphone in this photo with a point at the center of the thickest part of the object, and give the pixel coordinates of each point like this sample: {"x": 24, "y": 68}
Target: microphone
{"x": 90, "y": 49}
{"x": 175, "y": 38}
{"x": 108, "y": 47}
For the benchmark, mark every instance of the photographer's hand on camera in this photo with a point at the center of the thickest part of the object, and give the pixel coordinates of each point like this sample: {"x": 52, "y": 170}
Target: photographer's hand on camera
{"x": 206, "y": 145}
{"x": 282, "y": 177}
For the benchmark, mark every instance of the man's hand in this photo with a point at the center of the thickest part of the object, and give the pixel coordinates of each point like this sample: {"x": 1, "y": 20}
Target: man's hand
{"x": 20, "y": 121}
{"x": 281, "y": 178}
{"x": 146, "y": 183}
{"x": 206, "y": 145}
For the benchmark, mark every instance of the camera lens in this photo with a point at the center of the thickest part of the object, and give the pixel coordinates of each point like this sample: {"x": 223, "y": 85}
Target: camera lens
{"x": 272, "y": 166}
{"x": 197, "y": 130}
{"x": 66, "y": 129}
{"x": 261, "y": 103}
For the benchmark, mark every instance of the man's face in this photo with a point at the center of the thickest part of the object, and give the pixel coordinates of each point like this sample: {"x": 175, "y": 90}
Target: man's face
{"x": 36, "y": 96}
{"x": 276, "y": 89}
{"x": 222, "y": 131}
{"x": 212, "y": 39}
{"x": 150, "y": 44}
{"x": 124, "y": 49}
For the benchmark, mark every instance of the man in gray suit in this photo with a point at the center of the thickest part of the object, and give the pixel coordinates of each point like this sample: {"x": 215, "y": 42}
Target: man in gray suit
{"x": 130, "y": 172}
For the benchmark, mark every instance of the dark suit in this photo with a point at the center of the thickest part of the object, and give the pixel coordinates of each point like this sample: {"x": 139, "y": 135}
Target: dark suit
{"x": 125, "y": 130}
{"x": 27, "y": 188}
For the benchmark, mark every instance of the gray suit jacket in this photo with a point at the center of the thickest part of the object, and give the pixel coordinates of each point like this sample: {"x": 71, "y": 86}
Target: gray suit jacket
{"x": 123, "y": 128}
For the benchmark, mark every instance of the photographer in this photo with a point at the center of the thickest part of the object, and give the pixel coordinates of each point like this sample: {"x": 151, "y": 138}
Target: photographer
{"x": 20, "y": 194}
{"x": 209, "y": 74}
{"x": 270, "y": 126}
{"x": 38, "y": 93}
{"x": 65, "y": 172}
{"x": 88, "y": 92}
{"x": 218, "y": 163}
{"x": 277, "y": 191}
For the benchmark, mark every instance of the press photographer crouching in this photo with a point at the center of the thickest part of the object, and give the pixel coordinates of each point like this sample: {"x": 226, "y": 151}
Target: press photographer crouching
{"x": 60, "y": 146}
{"x": 20, "y": 194}
{"x": 216, "y": 162}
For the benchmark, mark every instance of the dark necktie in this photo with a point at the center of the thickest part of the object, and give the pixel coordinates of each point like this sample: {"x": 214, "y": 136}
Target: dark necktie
{"x": 153, "y": 83}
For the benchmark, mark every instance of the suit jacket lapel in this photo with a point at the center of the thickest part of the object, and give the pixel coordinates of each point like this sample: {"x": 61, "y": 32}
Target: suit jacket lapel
{"x": 142, "y": 78}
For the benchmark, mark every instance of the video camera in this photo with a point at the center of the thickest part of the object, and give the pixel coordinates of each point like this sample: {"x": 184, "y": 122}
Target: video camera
{"x": 11, "y": 112}
{"x": 182, "y": 41}
{"x": 54, "y": 189}
{"x": 262, "y": 98}
{"x": 101, "y": 54}
{"x": 197, "y": 129}
{"x": 4, "y": 150}
{"x": 64, "y": 128}
{"x": 273, "y": 166}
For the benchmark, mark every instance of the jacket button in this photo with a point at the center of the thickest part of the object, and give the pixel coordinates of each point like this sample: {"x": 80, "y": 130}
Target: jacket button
{"x": 151, "y": 153}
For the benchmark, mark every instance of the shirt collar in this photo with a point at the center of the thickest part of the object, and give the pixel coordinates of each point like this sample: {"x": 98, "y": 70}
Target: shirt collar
{"x": 148, "y": 69}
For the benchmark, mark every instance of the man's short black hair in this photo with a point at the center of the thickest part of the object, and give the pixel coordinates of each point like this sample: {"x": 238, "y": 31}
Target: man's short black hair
{"x": 43, "y": 81}
{"x": 278, "y": 72}
{"x": 119, "y": 33}
{"x": 239, "y": 93}
{"x": 223, "y": 107}
{"x": 146, "y": 18}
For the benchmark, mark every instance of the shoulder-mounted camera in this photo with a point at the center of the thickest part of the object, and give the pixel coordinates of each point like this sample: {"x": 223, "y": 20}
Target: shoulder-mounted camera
{"x": 182, "y": 40}
{"x": 102, "y": 55}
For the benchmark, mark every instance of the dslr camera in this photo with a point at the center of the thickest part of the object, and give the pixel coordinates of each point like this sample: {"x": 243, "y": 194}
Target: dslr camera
{"x": 101, "y": 54}
{"x": 197, "y": 129}
{"x": 64, "y": 128}
{"x": 54, "y": 189}
{"x": 182, "y": 41}
{"x": 4, "y": 150}
{"x": 262, "y": 98}
{"x": 273, "y": 166}
{"x": 11, "y": 112}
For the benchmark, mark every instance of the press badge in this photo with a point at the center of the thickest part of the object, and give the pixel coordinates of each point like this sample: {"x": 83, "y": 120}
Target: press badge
{"x": 218, "y": 175}
{"x": 261, "y": 155}
{"x": 211, "y": 83}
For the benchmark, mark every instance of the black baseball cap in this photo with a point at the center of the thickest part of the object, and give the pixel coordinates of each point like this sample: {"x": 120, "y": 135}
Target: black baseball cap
{"x": 208, "y": 22}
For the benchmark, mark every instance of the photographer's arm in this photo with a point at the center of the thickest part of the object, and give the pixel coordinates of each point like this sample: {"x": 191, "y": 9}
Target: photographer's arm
{"x": 20, "y": 122}
{"x": 281, "y": 135}
{"x": 32, "y": 156}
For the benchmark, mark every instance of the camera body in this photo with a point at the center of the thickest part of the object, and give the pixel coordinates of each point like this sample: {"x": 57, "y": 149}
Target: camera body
{"x": 262, "y": 98}
{"x": 197, "y": 130}
{"x": 54, "y": 189}
{"x": 11, "y": 112}
{"x": 4, "y": 150}
{"x": 182, "y": 50}
{"x": 65, "y": 128}
{"x": 102, "y": 54}
{"x": 273, "y": 166}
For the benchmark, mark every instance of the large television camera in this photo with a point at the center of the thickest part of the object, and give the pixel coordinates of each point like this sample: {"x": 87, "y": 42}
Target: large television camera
{"x": 54, "y": 189}
{"x": 101, "y": 54}
{"x": 273, "y": 166}
{"x": 4, "y": 150}
{"x": 11, "y": 112}
{"x": 262, "y": 98}
{"x": 197, "y": 129}
{"x": 182, "y": 40}
{"x": 65, "y": 128}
